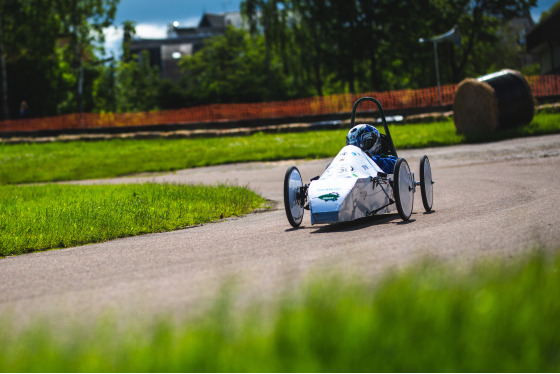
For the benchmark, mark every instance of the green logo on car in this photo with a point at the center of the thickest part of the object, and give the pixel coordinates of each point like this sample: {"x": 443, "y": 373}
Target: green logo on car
{"x": 333, "y": 196}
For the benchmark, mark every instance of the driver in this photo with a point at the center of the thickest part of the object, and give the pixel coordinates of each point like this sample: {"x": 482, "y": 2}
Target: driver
{"x": 369, "y": 140}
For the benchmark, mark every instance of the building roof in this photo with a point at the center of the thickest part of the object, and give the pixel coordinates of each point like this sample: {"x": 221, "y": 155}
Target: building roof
{"x": 221, "y": 20}
{"x": 210, "y": 24}
{"x": 216, "y": 21}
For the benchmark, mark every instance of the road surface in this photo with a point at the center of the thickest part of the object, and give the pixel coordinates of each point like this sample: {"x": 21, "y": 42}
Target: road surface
{"x": 490, "y": 200}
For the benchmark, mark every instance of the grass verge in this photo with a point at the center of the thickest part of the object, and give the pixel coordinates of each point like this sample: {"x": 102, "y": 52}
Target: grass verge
{"x": 30, "y": 163}
{"x": 430, "y": 318}
{"x": 55, "y": 216}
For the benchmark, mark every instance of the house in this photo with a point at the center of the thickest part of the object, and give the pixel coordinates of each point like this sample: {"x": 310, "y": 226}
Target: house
{"x": 544, "y": 40}
{"x": 183, "y": 41}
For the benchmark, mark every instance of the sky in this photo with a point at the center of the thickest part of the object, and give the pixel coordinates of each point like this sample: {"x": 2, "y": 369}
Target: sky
{"x": 153, "y": 16}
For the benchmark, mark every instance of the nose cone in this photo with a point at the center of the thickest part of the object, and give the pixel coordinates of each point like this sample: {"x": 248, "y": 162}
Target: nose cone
{"x": 337, "y": 196}
{"x": 326, "y": 200}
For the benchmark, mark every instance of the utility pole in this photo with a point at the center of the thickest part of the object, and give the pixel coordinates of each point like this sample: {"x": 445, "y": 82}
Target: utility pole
{"x": 453, "y": 33}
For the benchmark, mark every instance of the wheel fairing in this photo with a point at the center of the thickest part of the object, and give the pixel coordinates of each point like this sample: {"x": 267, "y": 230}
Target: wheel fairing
{"x": 292, "y": 202}
{"x": 403, "y": 189}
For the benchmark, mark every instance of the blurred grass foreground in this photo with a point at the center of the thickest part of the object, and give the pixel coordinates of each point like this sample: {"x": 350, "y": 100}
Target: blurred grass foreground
{"x": 499, "y": 317}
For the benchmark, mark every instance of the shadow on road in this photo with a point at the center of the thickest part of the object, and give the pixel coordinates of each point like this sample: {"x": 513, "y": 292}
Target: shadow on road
{"x": 357, "y": 224}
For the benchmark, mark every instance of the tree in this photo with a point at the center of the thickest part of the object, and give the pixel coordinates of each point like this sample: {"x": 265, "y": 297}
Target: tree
{"x": 232, "y": 68}
{"x": 47, "y": 45}
{"x": 5, "y": 107}
{"x": 137, "y": 84}
{"x": 547, "y": 13}
{"x": 129, "y": 30}
{"x": 30, "y": 69}
{"x": 478, "y": 22}
{"x": 105, "y": 89}
{"x": 284, "y": 39}
{"x": 171, "y": 95}
{"x": 357, "y": 45}
{"x": 83, "y": 21}
{"x": 131, "y": 84}
{"x": 339, "y": 45}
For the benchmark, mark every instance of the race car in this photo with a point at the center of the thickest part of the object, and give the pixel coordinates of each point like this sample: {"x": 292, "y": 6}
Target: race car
{"x": 353, "y": 186}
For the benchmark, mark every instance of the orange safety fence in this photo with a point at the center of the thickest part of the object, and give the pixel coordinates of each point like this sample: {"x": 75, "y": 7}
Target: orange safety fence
{"x": 542, "y": 86}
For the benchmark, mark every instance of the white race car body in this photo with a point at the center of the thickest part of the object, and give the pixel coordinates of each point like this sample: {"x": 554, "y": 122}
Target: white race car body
{"x": 351, "y": 187}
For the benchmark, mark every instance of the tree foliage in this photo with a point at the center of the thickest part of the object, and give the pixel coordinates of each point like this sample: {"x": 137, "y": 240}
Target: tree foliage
{"x": 29, "y": 34}
{"x": 49, "y": 53}
{"x": 547, "y": 13}
{"x": 48, "y": 47}
{"x": 82, "y": 23}
{"x": 341, "y": 45}
{"x": 231, "y": 68}
{"x": 136, "y": 89}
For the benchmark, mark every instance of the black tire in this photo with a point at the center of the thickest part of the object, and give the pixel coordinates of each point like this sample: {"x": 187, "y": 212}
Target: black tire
{"x": 403, "y": 189}
{"x": 426, "y": 184}
{"x": 292, "y": 200}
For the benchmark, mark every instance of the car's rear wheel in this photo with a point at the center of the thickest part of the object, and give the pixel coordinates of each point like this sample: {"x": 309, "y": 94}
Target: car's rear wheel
{"x": 426, "y": 183}
{"x": 403, "y": 189}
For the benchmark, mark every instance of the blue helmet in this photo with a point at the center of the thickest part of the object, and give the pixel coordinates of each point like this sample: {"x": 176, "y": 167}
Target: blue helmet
{"x": 366, "y": 137}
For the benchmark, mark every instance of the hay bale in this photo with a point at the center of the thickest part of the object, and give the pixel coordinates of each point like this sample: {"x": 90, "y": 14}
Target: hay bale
{"x": 516, "y": 103}
{"x": 475, "y": 107}
{"x": 499, "y": 100}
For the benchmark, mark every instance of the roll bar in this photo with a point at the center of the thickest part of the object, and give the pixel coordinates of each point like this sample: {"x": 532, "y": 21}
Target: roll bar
{"x": 387, "y": 133}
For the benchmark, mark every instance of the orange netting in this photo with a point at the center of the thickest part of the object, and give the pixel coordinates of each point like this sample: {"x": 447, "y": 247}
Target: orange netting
{"x": 542, "y": 86}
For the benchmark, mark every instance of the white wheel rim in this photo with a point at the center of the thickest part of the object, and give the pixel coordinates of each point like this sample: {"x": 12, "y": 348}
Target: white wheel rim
{"x": 294, "y": 185}
{"x": 406, "y": 192}
{"x": 428, "y": 187}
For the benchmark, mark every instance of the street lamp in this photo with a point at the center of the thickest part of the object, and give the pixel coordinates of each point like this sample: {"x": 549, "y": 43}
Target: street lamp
{"x": 451, "y": 34}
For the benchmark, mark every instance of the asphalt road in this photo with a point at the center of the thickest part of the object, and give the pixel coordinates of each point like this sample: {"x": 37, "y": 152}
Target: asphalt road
{"x": 490, "y": 200}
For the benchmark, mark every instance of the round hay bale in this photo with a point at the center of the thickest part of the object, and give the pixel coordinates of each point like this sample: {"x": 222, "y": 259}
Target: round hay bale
{"x": 499, "y": 100}
{"x": 475, "y": 107}
{"x": 516, "y": 104}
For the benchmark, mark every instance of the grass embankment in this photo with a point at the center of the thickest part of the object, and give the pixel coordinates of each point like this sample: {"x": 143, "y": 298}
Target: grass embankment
{"x": 431, "y": 318}
{"x": 54, "y": 216}
{"x": 29, "y": 163}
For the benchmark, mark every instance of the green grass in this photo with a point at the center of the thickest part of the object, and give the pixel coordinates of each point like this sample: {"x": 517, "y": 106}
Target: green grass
{"x": 29, "y": 163}
{"x": 55, "y": 216}
{"x": 430, "y": 318}
{"x": 542, "y": 124}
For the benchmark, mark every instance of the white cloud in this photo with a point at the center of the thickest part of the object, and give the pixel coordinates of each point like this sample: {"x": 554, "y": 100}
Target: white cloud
{"x": 151, "y": 31}
{"x": 114, "y": 36}
{"x": 113, "y": 40}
